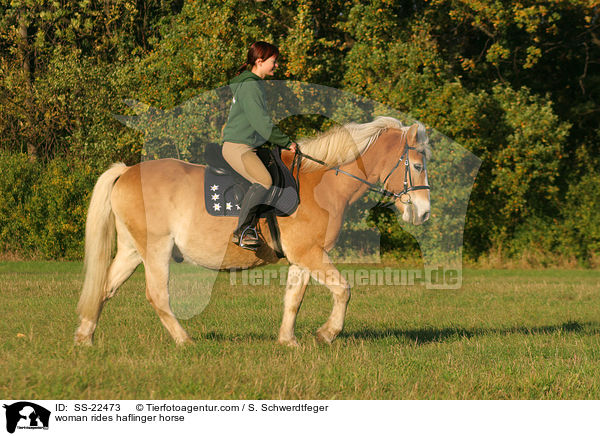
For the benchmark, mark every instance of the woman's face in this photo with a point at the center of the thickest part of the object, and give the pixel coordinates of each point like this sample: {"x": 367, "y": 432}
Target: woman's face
{"x": 266, "y": 67}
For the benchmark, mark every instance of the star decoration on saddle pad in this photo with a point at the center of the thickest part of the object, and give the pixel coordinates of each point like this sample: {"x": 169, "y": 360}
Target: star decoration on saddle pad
{"x": 219, "y": 201}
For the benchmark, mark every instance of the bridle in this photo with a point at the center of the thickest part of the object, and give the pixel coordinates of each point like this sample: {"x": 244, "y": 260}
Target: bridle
{"x": 408, "y": 184}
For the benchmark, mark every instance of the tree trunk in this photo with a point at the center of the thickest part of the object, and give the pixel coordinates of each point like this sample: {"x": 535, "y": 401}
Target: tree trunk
{"x": 32, "y": 149}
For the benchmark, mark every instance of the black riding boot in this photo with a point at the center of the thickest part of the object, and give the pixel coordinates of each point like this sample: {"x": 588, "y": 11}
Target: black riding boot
{"x": 245, "y": 235}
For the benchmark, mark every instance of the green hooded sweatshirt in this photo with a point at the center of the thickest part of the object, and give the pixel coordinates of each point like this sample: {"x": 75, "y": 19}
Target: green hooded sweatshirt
{"x": 248, "y": 122}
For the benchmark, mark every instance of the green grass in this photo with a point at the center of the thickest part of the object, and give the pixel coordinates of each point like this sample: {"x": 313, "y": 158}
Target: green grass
{"x": 505, "y": 334}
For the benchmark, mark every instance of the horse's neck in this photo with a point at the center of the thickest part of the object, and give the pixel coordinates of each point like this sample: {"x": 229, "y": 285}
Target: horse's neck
{"x": 343, "y": 189}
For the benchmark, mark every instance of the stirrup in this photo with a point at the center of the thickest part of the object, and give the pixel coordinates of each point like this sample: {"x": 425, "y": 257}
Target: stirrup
{"x": 257, "y": 242}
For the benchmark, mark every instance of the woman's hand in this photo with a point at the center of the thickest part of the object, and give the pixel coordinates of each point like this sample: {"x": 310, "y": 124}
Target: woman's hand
{"x": 293, "y": 147}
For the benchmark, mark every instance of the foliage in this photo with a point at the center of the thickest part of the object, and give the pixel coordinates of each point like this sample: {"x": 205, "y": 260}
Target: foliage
{"x": 58, "y": 63}
{"x": 581, "y": 216}
{"x": 517, "y": 84}
{"x": 18, "y": 178}
{"x": 74, "y": 102}
{"x": 516, "y": 134}
{"x": 551, "y": 47}
{"x": 44, "y": 206}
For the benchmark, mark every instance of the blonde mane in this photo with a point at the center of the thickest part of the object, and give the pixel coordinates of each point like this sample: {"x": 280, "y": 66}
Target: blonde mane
{"x": 343, "y": 144}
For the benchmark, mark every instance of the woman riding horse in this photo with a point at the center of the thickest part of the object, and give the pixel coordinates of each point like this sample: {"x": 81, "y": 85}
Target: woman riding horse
{"x": 248, "y": 127}
{"x": 149, "y": 211}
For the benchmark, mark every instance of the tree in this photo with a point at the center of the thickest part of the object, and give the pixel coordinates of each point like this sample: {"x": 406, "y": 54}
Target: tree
{"x": 39, "y": 38}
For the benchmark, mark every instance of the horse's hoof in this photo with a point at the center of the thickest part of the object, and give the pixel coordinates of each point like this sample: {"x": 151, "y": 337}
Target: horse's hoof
{"x": 83, "y": 341}
{"x": 292, "y": 343}
{"x": 184, "y": 342}
{"x": 325, "y": 336}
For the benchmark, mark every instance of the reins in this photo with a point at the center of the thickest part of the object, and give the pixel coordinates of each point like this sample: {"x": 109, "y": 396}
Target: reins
{"x": 296, "y": 162}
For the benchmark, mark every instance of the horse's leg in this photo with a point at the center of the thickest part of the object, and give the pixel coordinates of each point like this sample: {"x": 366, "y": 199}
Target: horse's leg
{"x": 126, "y": 260}
{"x": 294, "y": 293}
{"x": 157, "y": 288}
{"x": 122, "y": 266}
{"x": 326, "y": 273}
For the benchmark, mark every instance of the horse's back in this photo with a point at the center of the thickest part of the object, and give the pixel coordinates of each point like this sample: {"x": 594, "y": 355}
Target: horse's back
{"x": 160, "y": 176}
{"x": 162, "y": 172}
{"x": 152, "y": 194}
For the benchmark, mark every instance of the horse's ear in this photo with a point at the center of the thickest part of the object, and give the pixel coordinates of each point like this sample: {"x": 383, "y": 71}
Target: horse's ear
{"x": 411, "y": 135}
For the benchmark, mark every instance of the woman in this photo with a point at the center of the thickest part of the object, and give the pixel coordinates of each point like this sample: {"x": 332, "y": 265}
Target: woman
{"x": 248, "y": 127}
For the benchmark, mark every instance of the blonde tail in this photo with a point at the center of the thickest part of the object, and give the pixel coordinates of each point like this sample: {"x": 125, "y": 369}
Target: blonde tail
{"x": 99, "y": 237}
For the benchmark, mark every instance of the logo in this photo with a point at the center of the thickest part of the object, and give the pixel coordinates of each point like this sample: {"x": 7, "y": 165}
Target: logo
{"x": 25, "y": 415}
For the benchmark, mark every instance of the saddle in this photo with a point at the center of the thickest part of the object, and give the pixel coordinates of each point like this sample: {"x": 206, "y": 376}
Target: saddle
{"x": 224, "y": 188}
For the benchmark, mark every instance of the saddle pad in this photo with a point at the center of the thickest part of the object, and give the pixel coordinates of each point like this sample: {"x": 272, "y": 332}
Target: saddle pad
{"x": 223, "y": 194}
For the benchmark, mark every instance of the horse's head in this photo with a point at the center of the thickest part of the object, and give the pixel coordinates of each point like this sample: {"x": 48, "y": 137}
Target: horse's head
{"x": 406, "y": 174}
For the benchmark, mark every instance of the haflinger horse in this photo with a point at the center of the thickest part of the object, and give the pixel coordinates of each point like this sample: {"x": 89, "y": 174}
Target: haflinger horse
{"x": 148, "y": 205}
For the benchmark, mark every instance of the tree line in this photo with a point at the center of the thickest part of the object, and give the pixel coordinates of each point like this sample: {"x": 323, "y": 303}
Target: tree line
{"x": 516, "y": 83}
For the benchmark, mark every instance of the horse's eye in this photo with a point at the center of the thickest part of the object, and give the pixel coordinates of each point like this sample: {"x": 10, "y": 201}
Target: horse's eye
{"x": 418, "y": 167}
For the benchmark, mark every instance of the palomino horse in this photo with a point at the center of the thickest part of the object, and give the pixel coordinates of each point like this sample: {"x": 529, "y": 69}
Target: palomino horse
{"x": 152, "y": 214}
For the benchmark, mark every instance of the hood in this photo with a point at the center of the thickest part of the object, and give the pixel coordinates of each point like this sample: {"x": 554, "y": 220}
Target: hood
{"x": 242, "y": 77}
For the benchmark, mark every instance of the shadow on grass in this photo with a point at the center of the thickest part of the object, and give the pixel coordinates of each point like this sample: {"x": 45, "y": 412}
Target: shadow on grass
{"x": 427, "y": 335}
{"x": 419, "y": 336}
{"x": 233, "y": 337}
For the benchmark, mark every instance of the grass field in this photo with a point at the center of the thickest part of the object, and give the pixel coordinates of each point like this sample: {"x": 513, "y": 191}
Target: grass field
{"x": 504, "y": 335}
